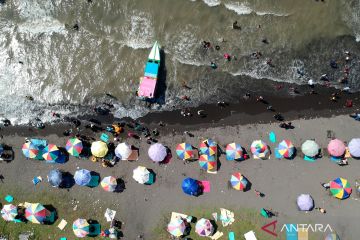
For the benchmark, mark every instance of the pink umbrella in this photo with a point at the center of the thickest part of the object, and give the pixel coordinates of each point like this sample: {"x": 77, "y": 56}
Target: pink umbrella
{"x": 336, "y": 148}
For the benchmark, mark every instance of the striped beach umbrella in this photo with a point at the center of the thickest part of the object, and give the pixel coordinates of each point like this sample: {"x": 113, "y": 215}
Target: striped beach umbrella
{"x": 51, "y": 153}
{"x": 9, "y": 212}
{"x": 184, "y": 151}
{"x": 30, "y": 150}
{"x": 286, "y": 148}
{"x": 332, "y": 236}
{"x": 238, "y": 181}
{"x": 340, "y": 188}
{"x": 81, "y": 227}
{"x": 204, "y": 227}
{"x": 36, "y": 213}
{"x": 207, "y": 162}
{"x": 259, "y": 148}
{"x": 176, "y": 227}
{"x": 208, "y": 147}
{"x": 74, "y": 147}
{"x": 99, "y": 149}
{"x": 336, "y": 148}
{"x": 234, "y": 151}
{"x": 109, "y": 184}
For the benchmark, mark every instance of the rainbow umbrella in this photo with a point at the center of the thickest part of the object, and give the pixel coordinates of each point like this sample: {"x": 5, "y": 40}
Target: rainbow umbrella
{"x": 207, "y": 162}
{"x": 336, "y": 148}
{"x": 234, "y": 151}
{"x": 9, "y": 212}
{"x": 259, "y": 148}
{"x": 332, "y": 236}
{"x": 184, "y": 151}
{"x": 204, "y": 227}
{"x": 36, "y": 213}
{"x": 81, "y": 227}
{"x": 208, "y": 147}
{"x": 238, "y": 181}
{"x": 286, "y": 148}
{"x": 30, "y": 150}
{"x": 109, "y": 184}
{"x": 74, "y": 147}
{"x": 176, "y": 227}
{"x": 51, "y": 153}
{"x": 340, "y": 188}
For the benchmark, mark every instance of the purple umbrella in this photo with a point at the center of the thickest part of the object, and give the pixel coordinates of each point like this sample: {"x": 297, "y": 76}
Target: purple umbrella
{"x": 305, "y": 202}
{"x": 157, "y": 152}
{"x": 354, "y": 147}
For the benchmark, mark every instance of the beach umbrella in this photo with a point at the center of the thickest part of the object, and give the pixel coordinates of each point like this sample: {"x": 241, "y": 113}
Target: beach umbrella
{"x": 141, "y": 174}
{"x": 51, "y": 153}
{"x": 234, "y": 151}
{"x": 176, "y": 227}
{"x": 207, "y": 162}
{"x": 336, "y": 148}
{"x": 99, "y": 149}
{"x": 30, "y": 150}
{"x": 354, "y": 147}
{"x": 9, "y": 212}
{"x": 157, "y": 152}
{"x": 74, "y": 147}
{"x": 340, "y": 188}
{"x": 82, "y": 177}
{"x": 184, "y": 151}
{"x": 238, "y": 181}
{"x": 36, "y": 213}
{"x": 208, "y": 147}
{"x": 310, "y": 148}
{"x": 191, "y": 186}
{"x": 81, "y": 227}
{"x": 286, "y": 148}
{"x": 204, "y": 227}
{"x": 123, "y": 150}
{"x": 109, "y": 184}
{"x": 259, "y": 148}
{"x": 305, "y": 202}
{"x": 55, "y": 177}
{"x": 332, "y": 236}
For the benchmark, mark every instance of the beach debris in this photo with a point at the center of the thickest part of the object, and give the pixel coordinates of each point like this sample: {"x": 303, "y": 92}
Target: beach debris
{"x": 109, "y": 214}
{"x": 226, "y": 217}
{"x": 62, "y": 224}
{"x": 250, "y": 236}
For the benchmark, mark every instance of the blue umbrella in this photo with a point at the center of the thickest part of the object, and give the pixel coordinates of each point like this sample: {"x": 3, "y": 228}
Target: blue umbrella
{"x": 1, "y": 149}
{"x": 82, "y": 177}
{"x": 55, "y": 177}
{"x": 191, "y": 187}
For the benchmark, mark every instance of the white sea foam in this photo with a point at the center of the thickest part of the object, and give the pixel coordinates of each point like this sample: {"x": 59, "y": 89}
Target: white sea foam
{"x": 352, "y": 17}
{"x": 212, "y": 3}
{"x": 245, "y": 9}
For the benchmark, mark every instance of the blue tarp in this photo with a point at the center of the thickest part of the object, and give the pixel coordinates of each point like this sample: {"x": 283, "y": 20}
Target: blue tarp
{"x": 151, "y": 70}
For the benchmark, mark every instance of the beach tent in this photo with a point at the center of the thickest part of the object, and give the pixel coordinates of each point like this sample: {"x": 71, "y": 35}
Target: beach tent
{"x": 340, "y": 188}
{"x": 99, "y": 149}
{"x": 9, "y": 212}
{"x": 157, "y": 152}
{"x": 305, "y": 202}
{"x": 36, "y": 213}
{"x": 208, "y": 147}
{"x": 259, "y": 148}
{"x": 310, "y": 148}
{"x": 185, "y": 151}
{"x": 354, "y": 147}
{"x": 238, "y": 181}
{"x": 191, "y": 187}
{"x": 332, "y": 236}
{"x": 82, "y": 177}
{"x": 234, "y": 151}
{"x": 74, "y": 147}
{"x": 55, "y": 177}
{"x": 109, "y": 184}
{"x": 286, "y": 149}
{"x": 336, "y": 148}
{"x": 30, "y": 150}
{"x": 123, "y": 150}
{"x": 176, "y": 227}
{"x": 207, "y": 162}
{"x": 204, "y": 227}
{"x": 51, "y": 153}
{"x": 81, "y": 227}
{"x": 141, "y": 174}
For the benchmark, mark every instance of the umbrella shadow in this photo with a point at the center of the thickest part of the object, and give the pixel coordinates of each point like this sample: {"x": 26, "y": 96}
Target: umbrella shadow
{"x": 53, "y": 215}
{"x": 168, "y": 156}
{"x": 95, "y": 180}
{"x": 120, "y": 187}
{"x": 95, "y": 228}
{"x": 245, "y": 155}
{"x": 153, "y": 176}
{"x": 248, "y": 186}
{"x": 67, "y": 181}
{"x": 215, "y": 226}
{"x": 64, "y": 156}
{"x": 293, "y": 156}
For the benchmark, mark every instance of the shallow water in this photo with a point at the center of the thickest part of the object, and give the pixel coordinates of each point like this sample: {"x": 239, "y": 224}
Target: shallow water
{"x": 42, "y": 56}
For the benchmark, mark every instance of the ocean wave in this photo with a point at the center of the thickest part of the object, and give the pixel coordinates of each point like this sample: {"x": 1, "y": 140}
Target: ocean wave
{"x": 245, "y": 9}
{"x": 212, "y": 3}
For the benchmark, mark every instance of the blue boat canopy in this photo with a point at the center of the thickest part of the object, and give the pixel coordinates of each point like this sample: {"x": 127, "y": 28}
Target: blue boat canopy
{"x": 151, "y": 69}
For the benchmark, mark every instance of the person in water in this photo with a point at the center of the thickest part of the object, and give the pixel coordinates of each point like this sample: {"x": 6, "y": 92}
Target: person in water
{"x": 213, "y": 65}
{"x": 236, "y": 26}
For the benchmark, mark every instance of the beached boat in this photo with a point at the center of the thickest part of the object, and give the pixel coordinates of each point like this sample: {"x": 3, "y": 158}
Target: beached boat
{"x": 147, "y": 85}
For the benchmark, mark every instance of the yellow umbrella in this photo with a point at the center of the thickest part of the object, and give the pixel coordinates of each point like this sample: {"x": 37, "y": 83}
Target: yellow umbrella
{"x": 99, "y": 149}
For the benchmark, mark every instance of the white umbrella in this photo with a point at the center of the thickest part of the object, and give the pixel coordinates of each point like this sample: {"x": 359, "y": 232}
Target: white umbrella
{"x": 310, "y": 148}
{"x": 141, "y": 174}
{"x": 157, "y": 152}
{"x": 123, "y": 150}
